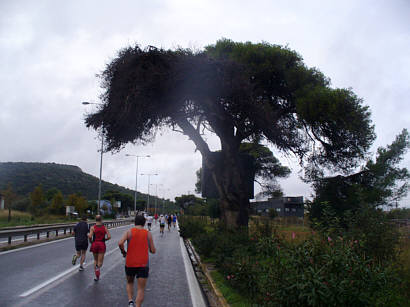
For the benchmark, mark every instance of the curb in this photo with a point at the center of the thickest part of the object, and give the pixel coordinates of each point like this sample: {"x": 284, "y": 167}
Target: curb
{"x": 196, "y": 262}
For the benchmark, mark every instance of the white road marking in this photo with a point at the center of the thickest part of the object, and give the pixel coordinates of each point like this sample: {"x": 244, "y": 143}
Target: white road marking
{"x": 196, "y": 294}
{"x": 47, "y": 282}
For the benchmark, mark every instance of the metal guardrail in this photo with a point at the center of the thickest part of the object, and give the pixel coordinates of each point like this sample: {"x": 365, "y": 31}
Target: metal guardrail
{"x": 25, "y": 232}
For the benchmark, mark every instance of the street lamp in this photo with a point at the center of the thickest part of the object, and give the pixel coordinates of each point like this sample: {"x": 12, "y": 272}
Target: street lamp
{"x": 163, "y": 199}
{"x": 102, "y": 147}
{"x": 149, "y": 176}
{"x": 156, "y": 195}
{"x": 136, "y": 179}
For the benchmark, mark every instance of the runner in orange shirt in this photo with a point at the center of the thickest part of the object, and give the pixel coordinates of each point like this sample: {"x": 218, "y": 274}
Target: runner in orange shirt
{"x": 139, "y": 242}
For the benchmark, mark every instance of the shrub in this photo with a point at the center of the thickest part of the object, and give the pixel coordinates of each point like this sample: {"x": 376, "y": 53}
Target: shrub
{"x": 313, "y": 273}
{"x": 190, "y": 227}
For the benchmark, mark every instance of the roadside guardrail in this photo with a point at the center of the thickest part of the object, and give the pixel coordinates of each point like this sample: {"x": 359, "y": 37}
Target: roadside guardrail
{"x": 26, "y": 231}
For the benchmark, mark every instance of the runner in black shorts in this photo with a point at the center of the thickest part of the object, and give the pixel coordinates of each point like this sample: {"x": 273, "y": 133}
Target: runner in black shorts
{"x": 161, "y": 224}
{"x": 169, "y": 221}
{"x": 80, "y": 233}
{"x": 139, "y": 243}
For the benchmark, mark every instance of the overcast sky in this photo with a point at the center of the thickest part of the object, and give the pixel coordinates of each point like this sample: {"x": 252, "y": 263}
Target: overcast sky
{"x": 50, "y": 52}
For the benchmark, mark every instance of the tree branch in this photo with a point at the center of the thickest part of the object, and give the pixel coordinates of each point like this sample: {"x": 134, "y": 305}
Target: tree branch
{"x": 194, "y": 135}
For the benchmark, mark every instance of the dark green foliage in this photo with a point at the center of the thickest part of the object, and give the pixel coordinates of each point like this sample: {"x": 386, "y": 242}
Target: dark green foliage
{"x": 127, "y": 201}
{"x": 66, "y": 178}
{"x": 399, "y": 213}
{"x": 370, "y": 227}
{"x": 22, "y": 204}
{"x": 378, "y": 183}
{"x": 320, "y": 271}
{"x": 190, "y": 227}
{"x": 351, "y": 204}
{"x": 214, "y": 210}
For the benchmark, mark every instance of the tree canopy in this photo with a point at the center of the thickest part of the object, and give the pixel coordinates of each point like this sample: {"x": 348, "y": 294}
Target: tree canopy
{"x": 380, "y": 182}
{"x": 240, "y": 92}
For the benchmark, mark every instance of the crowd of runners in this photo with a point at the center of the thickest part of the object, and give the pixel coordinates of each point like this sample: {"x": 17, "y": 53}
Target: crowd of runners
{"x": 139, "y": 243}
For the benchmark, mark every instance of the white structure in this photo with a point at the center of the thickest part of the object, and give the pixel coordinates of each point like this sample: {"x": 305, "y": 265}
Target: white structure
{"x": 69, "y": 210}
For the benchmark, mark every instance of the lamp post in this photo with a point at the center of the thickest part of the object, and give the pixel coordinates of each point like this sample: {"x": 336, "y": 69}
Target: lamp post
{"x": 149, "y": 176}
{"x": 156, "y": 196}
{"x": 163, "y": 200}
{"x": 101, "y": 158}
{"x": 136, "y": 179}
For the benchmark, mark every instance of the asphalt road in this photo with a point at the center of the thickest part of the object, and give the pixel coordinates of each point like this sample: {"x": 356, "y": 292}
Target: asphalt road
{"x": 44, "y": 276}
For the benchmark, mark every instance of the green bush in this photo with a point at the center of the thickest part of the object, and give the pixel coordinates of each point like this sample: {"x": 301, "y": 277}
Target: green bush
{"x": 191, "y": 227}
{"x": 371, "y": 227}
{"x": 324, "y": 270}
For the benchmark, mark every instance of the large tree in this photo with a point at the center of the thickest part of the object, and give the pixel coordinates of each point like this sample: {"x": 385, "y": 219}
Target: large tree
{"x": 240, "y": 92}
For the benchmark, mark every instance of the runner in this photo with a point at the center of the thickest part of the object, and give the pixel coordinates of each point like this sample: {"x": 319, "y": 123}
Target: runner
{"x": 139, "y": 241}
{"x": 174, "y": 220}
{"x": 98, "y": 235}
{"x": 161, "y": 225}
{"x": 169, "y": 221}
{"x": 80, "y": 233}
{"x": 149, "y": 222}
{"x": 156, "y": 218}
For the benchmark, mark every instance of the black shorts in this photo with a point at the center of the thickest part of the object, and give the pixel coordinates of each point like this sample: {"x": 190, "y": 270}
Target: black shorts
{"x": 140, "y": 272}
{"x": 81, "y": 246}
{"x": 161, "y": 225}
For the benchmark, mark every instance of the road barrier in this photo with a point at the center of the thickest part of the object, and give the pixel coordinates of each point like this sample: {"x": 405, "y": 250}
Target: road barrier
{"x": 26, "y": 231}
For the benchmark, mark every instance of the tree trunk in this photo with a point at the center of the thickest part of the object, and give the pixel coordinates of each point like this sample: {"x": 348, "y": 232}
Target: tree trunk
{"x": 230, "y": 180}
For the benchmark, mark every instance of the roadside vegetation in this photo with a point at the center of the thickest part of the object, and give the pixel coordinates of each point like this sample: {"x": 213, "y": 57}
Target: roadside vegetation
{"x": 308, "y": 268}
{"x": 20, "y": 218}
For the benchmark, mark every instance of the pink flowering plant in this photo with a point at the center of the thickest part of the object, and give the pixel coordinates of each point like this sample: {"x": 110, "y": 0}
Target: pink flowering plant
{"x": 324, "y": 270}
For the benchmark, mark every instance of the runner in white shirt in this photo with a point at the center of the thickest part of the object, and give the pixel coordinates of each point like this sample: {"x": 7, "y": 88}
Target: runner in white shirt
{"x": 161, "y": 224}
{"x": 149, "y": 222}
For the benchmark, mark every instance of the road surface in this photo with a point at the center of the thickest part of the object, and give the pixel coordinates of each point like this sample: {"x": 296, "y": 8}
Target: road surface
{"x": 42, "y": 275}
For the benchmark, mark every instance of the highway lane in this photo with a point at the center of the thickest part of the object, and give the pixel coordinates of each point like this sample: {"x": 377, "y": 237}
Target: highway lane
{"x": 24, "y": 275}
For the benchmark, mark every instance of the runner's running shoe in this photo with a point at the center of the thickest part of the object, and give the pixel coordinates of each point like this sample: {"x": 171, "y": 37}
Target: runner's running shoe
{"x": 131, "y": 304}
{"x": 75, "y": 257}
{"x": 97, "y": 273}
{"x": 81, "y": 268}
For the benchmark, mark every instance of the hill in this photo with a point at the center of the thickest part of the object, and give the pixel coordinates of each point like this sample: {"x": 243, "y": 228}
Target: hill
{"x": 69, "y": 179}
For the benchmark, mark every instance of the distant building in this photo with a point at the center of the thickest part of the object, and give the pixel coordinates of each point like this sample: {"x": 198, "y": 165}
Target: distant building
{"x": 69, "y": 210}
{"x": 284, "y": 206}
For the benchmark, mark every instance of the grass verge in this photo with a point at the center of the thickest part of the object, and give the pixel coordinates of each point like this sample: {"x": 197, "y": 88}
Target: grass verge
{"x": 19, "y": 218}
{"x": 233, "y": 298}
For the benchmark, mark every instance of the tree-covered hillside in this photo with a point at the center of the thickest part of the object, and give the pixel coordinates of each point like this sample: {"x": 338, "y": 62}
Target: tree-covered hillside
{"x": 69, "y": 179}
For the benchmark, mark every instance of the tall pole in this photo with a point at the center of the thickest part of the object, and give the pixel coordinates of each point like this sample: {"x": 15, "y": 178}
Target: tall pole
{"x": 156, "y": 196}
{"x": 136, "y": 187}
{"x": 101, "y": 159}
{"x": 136, "y": 179}
{"x": 149, "y": 176}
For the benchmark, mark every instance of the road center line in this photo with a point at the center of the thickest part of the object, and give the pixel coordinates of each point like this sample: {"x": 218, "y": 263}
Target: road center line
{"x": 47, "y": 282}
{"x": 51, "y": 280}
